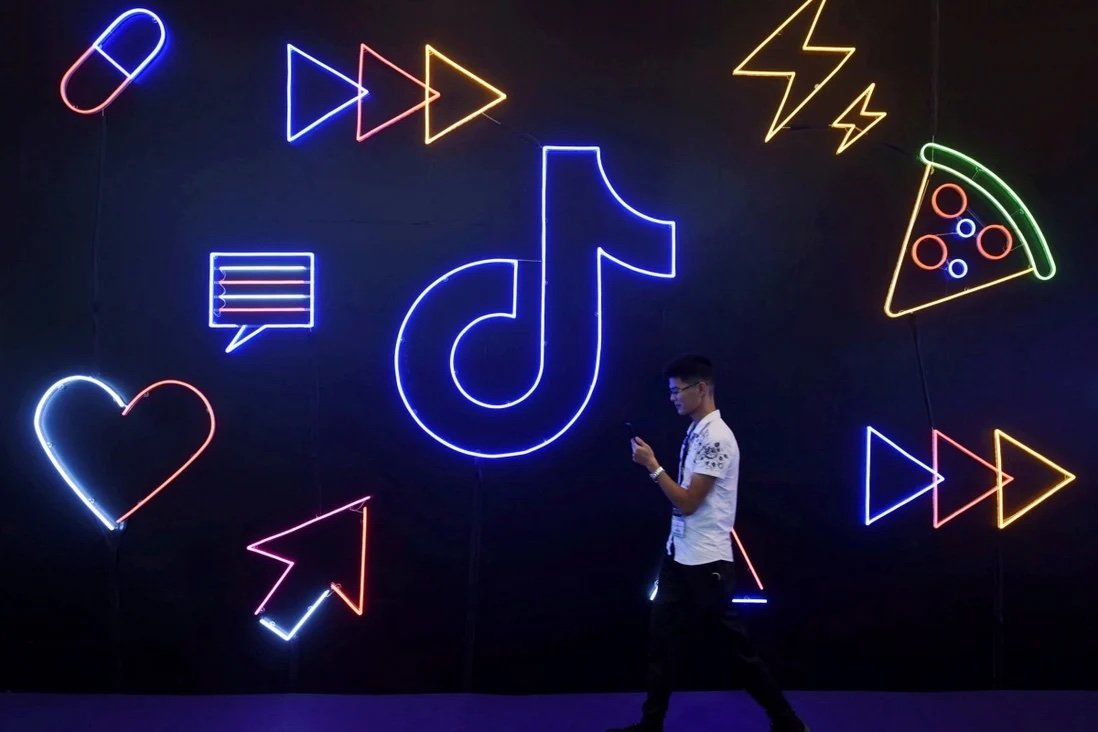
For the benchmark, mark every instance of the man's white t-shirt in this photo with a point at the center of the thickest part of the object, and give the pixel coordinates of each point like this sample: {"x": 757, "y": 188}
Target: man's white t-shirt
{"x": 710, "y": 449}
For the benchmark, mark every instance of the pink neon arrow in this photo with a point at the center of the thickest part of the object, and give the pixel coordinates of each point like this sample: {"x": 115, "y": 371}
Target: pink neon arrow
{"x": 356, "y": 607}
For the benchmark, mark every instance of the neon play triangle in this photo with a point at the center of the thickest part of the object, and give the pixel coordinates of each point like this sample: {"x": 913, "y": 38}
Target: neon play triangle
{"x": 431, "y": 95}
{"x": 295, "y": 57}
{"x": 873, "y": 514}
{"x": 748, "y": 599}
{"x": 430, "y": 53}
{"x": 999, "y": 478}
{"x": 952, "y": 249}
{"x": 737, "y": 599}
{"x": 1065, "y": 477}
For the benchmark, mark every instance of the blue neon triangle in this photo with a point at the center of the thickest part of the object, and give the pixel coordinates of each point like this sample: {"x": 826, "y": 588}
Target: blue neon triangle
{"x": 873, "y": 514}
{"x": 303, "y": 69}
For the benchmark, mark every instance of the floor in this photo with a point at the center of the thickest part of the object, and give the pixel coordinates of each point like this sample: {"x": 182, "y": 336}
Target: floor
{"x": 1001, "y": 711}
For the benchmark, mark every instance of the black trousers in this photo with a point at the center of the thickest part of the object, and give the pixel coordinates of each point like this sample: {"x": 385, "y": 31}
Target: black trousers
{"x": 695, "y": 602}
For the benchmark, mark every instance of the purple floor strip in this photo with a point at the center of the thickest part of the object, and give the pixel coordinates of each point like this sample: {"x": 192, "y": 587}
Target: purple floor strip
{"x": 1000, "y": 711}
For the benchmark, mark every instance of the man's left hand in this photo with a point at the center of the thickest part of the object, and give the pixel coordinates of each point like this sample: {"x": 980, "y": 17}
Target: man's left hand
{"x": 643, "y": 455}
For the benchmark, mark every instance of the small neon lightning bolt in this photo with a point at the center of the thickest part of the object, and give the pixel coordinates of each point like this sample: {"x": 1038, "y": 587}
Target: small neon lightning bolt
{"x": 853, "y": 132}
{"x": 789, "y": 75}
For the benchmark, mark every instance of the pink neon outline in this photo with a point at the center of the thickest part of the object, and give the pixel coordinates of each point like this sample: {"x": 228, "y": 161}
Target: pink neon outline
{"x": 194, "y": 456}
{"x": 262, "y": 310}
{"x": 940, "y": 522}
{"x": 747, "y": 559}
{"x": 938, "y": 209}
{"x": 1009, "y": 241}
{"x": 264, "y": 282}
{"x": 915, "y": 252}
{"x": 361, "y": 502}
{"x": 94, "y": 48}
{"x": 433, "y": 94}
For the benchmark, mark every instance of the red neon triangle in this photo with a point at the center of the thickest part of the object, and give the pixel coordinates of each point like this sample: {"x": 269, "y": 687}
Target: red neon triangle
{"x": 432, "y": 96}
{"x": 747, "y": 560}
{"x": 938, "y": 520}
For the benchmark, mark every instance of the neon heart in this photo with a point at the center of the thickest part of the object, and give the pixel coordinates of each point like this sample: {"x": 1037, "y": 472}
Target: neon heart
{"x": 80, "y": 492}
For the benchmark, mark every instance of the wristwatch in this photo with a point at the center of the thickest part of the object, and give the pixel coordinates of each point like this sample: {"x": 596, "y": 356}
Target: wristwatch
{"x": 655, "y": 474}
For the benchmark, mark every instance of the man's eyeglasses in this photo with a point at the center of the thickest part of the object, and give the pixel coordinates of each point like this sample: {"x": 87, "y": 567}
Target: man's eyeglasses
{"x": 675, "y": 391}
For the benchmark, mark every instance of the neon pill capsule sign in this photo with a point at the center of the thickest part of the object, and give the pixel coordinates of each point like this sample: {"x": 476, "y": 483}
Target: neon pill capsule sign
{"x": 117, "y": 32}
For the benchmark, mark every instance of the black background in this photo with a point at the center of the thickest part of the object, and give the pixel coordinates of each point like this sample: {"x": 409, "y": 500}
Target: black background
{"x": 531, "y": 575}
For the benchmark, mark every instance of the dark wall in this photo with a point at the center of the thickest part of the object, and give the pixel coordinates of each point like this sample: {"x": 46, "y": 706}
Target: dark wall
{"x": 531, "y": 574}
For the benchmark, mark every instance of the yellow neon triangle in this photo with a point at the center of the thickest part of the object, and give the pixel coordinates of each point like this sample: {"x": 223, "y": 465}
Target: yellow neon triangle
{"x": 428, "y": 136}
{"x": 1004, "y": 520}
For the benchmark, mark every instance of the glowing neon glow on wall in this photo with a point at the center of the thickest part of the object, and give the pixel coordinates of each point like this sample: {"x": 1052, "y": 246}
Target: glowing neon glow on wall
{"x": 254, "y": 291}
{"x": 853, "y": 131}
{"x": 432, "y": 95}
{"x": 958, "y": 268}
{"x": 871, "y": 517}
{"x": 429, "y": 95}
{"x": 101, "y": 513}
{"x": 1005, "y": 520}
{"x": 737, "y": 599}
{"x": 937, "y": 437}
{"x": 936, "y": 204}
{"x": 1007, "y": 238}
{"x": 589, "y": 250}
{"x": 1018, "y": 223}
{"x": 966, "y": 228}
{"x": 1002, "y": 479}
{"x": 115, "y": 29}
{"x": 754, "y": 574}
{"x": 355, "y": 603}
{"x": 943, "y": 252}
{"x": 359, "y": 93}
{"x": 286, "y": 636}
{"x": 781, "y": 116}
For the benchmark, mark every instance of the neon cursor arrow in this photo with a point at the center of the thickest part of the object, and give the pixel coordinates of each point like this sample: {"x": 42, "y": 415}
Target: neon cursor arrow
{"x": 356, "y": 605}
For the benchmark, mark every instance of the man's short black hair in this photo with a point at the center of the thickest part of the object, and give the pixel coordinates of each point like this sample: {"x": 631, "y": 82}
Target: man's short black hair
{"x": 690, "y": 368}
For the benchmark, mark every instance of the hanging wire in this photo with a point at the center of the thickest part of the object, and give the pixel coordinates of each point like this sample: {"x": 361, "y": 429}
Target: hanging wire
{"x": 96, "y": 229}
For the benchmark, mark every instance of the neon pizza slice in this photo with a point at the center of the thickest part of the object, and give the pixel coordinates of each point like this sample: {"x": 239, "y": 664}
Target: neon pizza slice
{"x": 926, "y": 251}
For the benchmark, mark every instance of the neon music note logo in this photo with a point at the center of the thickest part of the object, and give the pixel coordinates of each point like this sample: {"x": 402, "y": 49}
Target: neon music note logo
{"x": 452, "y": 361}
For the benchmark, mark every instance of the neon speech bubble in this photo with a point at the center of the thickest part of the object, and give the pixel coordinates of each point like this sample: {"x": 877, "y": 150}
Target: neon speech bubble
{"x": 254, "y": 291}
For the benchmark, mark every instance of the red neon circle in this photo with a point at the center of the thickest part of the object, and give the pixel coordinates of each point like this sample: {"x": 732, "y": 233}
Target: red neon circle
{"x": 1006, "y": 233}
{"x": 938, "y": 209}
{"x": 915, "y": 252}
